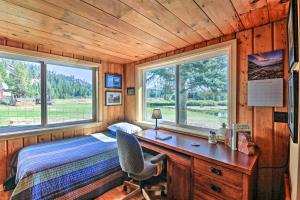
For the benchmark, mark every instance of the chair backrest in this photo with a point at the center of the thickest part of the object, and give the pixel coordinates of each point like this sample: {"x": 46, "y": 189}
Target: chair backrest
{"x": 130, "y": 153}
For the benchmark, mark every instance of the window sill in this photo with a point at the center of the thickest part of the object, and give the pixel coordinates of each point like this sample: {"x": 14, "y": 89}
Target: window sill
{"x": 42, "y": 130}
{"x": 178, "y": 129}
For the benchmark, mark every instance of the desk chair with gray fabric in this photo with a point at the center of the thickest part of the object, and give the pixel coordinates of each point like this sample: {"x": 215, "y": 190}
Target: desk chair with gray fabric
{"x": 132, "y": 162}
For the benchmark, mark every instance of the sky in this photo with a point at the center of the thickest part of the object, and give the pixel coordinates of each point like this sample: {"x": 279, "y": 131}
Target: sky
{"x": 78, "y": 73}
{"x": 267, "y": 58}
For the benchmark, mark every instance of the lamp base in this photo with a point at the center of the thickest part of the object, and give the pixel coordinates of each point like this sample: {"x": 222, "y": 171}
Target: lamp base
{"x": 156, "y": 128}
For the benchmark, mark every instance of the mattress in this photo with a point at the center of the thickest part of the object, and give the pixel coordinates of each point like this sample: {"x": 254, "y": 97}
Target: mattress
{"x": 76, "y": 168}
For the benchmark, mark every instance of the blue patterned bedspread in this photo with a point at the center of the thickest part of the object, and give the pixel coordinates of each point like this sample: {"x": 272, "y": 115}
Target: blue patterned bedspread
{"x": 77, "y": 168}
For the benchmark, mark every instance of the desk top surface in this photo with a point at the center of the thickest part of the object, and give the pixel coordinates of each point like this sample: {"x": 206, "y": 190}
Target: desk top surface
{"x": 219, "y": 153}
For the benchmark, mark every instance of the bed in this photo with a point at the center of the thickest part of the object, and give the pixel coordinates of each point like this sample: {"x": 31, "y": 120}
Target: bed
{"x": 77, "y": 168}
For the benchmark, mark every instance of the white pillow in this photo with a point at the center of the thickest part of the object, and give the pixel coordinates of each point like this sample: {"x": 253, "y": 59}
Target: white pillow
{"x": 125, "y": 127}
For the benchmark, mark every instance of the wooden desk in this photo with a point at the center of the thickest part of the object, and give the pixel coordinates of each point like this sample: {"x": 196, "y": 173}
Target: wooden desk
{"x": 203, "y": 172}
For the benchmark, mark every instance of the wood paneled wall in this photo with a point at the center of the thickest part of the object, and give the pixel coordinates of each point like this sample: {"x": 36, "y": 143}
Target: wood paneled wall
{"x": 272, "y": 138}
{"x": 112, "y": 114}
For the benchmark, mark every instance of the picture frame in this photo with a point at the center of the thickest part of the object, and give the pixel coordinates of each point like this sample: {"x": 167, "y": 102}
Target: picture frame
{"x": 292, "y": 34}
{"x": 293, "y": 105}
{"x": 113, "y": 81}
{"x": 130, "y": 91}
{"x": 113, "y": 98}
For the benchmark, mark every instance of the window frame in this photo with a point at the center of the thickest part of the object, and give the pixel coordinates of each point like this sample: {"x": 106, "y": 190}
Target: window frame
{"x": 44, "y": 59}
{"x": 228, "y": 48}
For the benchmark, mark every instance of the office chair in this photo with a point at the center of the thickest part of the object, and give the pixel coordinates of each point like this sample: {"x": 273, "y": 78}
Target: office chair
{"x": 132, "y": 162}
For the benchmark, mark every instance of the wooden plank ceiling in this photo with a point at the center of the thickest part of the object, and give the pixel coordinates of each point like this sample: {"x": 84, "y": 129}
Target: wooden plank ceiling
{"x": 123, "y": 31}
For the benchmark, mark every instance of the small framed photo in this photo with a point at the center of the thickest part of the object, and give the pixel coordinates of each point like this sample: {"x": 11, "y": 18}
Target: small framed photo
{"x": 113, "y": 98}
{"x": 292, "y": 34}
{"x": 113, "y": 81}
{"x": 131, "y": 91}
{"x": 293, "y": 105}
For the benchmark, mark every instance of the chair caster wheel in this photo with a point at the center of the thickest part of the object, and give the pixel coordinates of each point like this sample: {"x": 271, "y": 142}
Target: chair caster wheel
{"x": 125, "y": 188}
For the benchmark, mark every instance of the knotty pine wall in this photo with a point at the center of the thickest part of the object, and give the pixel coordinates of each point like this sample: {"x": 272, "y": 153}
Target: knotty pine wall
{"x": 272, "y": 138}
{"x": 111, "y": 114}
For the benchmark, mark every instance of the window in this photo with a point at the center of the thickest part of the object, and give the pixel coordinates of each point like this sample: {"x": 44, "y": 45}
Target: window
{"x": 160, "y": 91}
{"x": 69, "y": 94}
{"x": 203, "y": 92}
{"x": 20, "y": 84}
{"x": 36, "y": 94}
{"x": 194, "y": 91}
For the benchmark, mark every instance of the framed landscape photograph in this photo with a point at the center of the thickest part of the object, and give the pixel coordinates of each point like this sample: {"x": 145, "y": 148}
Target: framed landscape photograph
{"x": 293, "y": 105}
{"x": 265, "y": 79}
{"x": 113, "y": 81}
{"x": 131, "y": 91}
{"x": 113, "y": 98}
{"x": 292, "y": 34}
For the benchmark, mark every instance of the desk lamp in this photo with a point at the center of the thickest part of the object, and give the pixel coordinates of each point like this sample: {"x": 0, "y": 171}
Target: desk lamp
{"x": 156, "y": 114}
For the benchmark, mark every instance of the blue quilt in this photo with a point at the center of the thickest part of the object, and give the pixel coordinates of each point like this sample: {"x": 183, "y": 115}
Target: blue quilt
{"x": 77, "y": 168}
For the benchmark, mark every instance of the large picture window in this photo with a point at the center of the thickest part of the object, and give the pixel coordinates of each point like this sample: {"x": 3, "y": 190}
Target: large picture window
{"x": 160, "y": 91}
{"x": 36, "y": 94}
{"x": 194, "y": 92}
{"x": 69, "y": 94}
{"x": 202, "y": 92}
{"x": 20, "y": 85}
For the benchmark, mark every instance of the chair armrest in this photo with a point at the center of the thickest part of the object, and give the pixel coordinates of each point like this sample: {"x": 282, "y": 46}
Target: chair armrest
{"x": 158, "y": 158}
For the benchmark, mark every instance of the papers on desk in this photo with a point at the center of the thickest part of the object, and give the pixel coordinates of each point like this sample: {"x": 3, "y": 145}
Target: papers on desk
{"x": 163, "y": 136}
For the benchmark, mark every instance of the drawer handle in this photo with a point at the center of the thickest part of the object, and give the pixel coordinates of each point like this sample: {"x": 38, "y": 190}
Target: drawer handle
{"x": 215, "y": 188}
{"x": 216, "y": 171}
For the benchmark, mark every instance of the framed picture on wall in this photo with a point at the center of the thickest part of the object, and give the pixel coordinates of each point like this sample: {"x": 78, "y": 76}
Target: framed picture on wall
{"x": 293, "y": 105}
{"x": 292, "y": 34}
{"x": 113, "y": 81}
{"x": 131, "y": 91}
{"x": 113, "y": 98}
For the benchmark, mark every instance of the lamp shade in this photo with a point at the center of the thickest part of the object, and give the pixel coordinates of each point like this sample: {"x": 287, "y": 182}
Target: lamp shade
{"x": 156, "y": 114}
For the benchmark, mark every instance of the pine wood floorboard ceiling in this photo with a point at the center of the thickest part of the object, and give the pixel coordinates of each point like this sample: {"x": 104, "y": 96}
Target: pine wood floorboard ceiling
{"x": 123, "y": 31}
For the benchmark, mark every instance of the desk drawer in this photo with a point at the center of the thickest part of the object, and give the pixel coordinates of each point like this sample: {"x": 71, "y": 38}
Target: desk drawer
{"x": 198, "y": 195}
{"x": 213, "y": 187}
{"x": 218, "y": 172}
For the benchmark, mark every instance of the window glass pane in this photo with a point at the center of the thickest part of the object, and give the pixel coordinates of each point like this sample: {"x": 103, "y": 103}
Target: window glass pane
{"x": 20, "y": 88}
{"x": 69, "y": 94}
{"x": 160, "y": 92}
{"x": 203, "y": 92}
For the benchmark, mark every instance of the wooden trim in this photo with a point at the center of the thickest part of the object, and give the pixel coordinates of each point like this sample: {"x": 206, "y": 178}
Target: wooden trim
{"x": 204, "y": 52}
{"x": 42, "y": 131}
{"x": 47, "y": 57}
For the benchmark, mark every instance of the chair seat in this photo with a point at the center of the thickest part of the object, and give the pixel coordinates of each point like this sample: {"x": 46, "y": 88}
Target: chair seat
{"x": 149, "y": 171}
